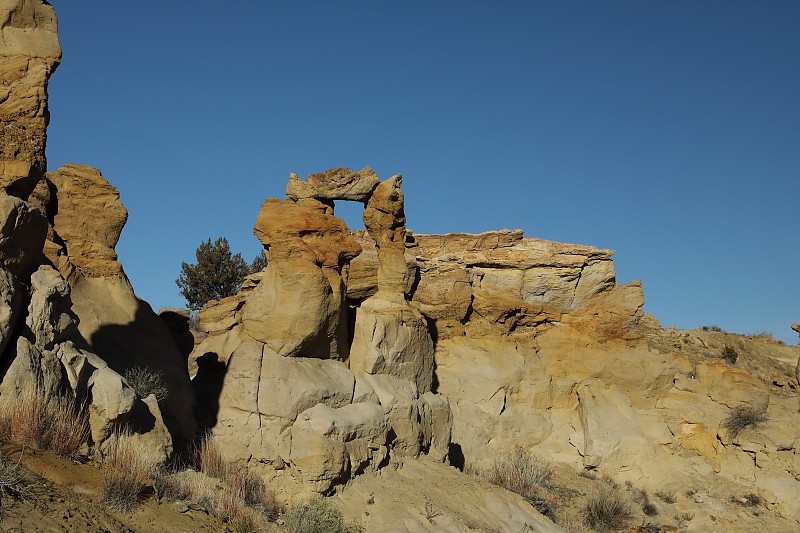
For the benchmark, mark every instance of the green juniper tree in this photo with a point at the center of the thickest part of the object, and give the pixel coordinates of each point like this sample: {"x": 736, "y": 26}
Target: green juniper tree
{"x": 259, "y": 263}
{"x": 217, "y": 274}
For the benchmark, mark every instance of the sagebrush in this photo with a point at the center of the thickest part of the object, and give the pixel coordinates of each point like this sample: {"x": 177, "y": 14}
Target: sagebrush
{"x": 527, "y": 475}
{"x": 317, "y": 515}
{"x": 741, "y": 417}
{"x": 14, "y": 481}
{"x": 608, "y": 509}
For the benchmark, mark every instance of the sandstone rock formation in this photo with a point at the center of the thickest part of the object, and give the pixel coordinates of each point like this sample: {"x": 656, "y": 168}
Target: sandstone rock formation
{"x": 278, "y": 381}
{"x": 87, "y": 220}
{"x": 79, "y": 326}
{"x": 298, "y": 309}
{"x": 390, "y": 335}
{"x": 29, "y": 53}
{"x": 41, "y": 346}
{"x": 501, "y": 282}
{"x": 350, "y": 352}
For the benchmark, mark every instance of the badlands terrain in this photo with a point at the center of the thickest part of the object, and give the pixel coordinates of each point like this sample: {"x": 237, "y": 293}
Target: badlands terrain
{"x": 464, "y": 383}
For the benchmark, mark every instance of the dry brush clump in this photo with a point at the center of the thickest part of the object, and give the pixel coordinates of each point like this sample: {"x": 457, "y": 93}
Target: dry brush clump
{"x": 146, "y": 382}
{"x": 172, "y": 486}
{"x": 317, "y": 515}
{"x": 608, "y": 509}
{"x": 666, "y": 496}
{"x": 244, "y": 499}
{"x": 209, "y": 458}
{"x": 525, "y": 474}
{"x": 49, "y": 422}
{"x": 729, "y": 354}
{"x": 129, "y": 465}
{"x": 14, "y": 481}
{"x": 742, "y": 417}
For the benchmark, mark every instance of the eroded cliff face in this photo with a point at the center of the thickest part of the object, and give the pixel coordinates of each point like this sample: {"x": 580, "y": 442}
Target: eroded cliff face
{"x": 502, "y": 283}
{"x": 522, "y": 342}
{"x": 375, "y": 330}
{"x": 29, "y": 53}
{"x": 69, "y": 320}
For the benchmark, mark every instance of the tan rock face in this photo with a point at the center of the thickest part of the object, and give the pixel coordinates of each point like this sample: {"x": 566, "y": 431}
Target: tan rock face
{"x": 333, "y": 184}
{"x": 278, "y": 380}
{"x": 121, "y": 330}
{"x": 500, "y": 282}
{"x": 88, "y": 218}
{"x": 299, "y": 309}
{"x": 22, "y": 232}
{"x": 392, "y": 338}
{"x": 29, "y": 53}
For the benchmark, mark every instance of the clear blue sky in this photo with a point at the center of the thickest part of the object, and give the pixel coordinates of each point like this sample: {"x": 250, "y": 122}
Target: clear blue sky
{"x": 668, "y": 131}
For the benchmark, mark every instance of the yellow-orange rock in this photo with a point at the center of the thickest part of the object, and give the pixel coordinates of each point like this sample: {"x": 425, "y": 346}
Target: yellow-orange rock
{"x": 299, "y": 307}
{"x": 29, "y": 53}
{"x": 88, "y": 218}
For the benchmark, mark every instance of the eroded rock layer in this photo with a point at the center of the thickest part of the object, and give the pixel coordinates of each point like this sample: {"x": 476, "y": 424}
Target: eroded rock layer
{"x": 29, "y": 53}
{"x": 278, "y": 379}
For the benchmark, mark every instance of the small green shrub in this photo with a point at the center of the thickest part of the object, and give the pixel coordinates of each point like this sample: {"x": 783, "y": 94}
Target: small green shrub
{"x": 315, "y": 516}
{"x": 608, "y": 509}
{"x": 741, "y": 417}
{"x": 729, "y": 354}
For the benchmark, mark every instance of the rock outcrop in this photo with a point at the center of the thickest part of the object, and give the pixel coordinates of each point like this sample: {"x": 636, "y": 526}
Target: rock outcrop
{"x": 29, "y": 53}
{"x": 87, "y": 220}
{"x": 278, "y": 381}
{"x": 299, "y": 308}
{"x": 501, "y": 282}
{"x": 40, "y": 345}
{"x": 352, "y": 351}
{"x": 391, "y": 335}
{"x": 79, "y": 325}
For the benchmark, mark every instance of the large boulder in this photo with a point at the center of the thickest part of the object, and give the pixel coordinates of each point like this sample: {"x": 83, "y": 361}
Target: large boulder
{"x": 22, "y": 233}
{"x": 333, "y": 184}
